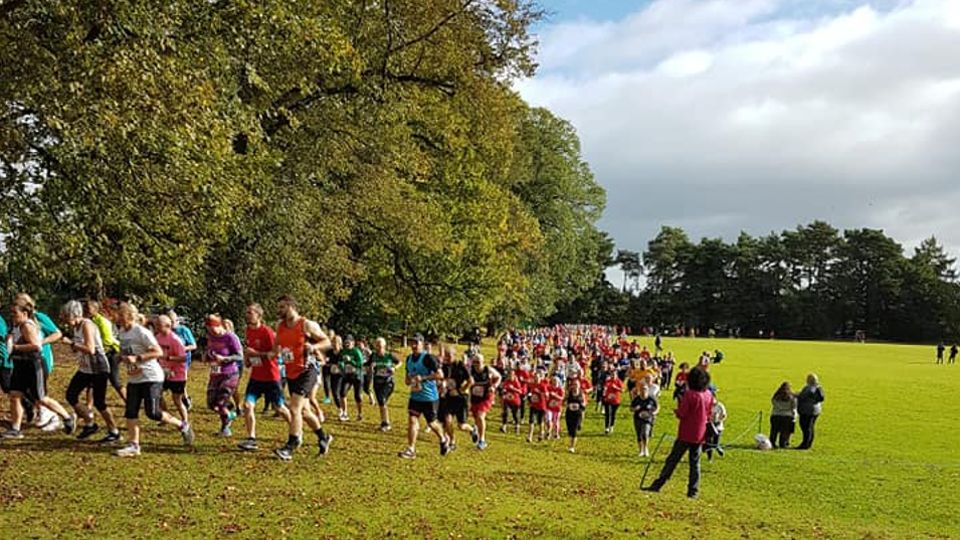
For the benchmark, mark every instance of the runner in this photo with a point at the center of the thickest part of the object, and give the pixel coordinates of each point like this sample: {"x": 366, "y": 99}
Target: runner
{"x": 24, "y": 344}
{"x": 383, "y": 365}
{"x": 513, "y": 389}
{"x": 612, "y": 389}
{"x": 453, "y": 404}
{"x": 538, "y": 404}
{"x": 336, "y": 373}
{"x": 484, "y": 381}
{"x": 555, "y": 393}
{"x": 110, "y": 344}
{"x": 576, "y": 402}
{"x": 293, "y": 345}
{"x": 223, "y": 350}
{"x": 422, "y": 373}
{"x": 367, "y": 370}
{"x": 264, "y": 374}
{"x": 174, "y": 364}
{"x": 351, "y": 366}
{"x": 645, "y": 409}
{"x": 93, "y": 370}
{"x": 138, "y": 353}
{"x": 325, "y": 371}
{"x": 189, "y": 345}
{"x": 42, "y": 418}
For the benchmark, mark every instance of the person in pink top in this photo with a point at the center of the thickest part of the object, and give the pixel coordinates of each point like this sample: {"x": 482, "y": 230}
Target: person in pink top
{"x": 693, "y": 412}
{"x": 173, "y": 362}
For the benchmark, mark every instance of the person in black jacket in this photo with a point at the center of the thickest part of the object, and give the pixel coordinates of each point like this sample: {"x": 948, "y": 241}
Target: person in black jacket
{"x": 809, "y": 406}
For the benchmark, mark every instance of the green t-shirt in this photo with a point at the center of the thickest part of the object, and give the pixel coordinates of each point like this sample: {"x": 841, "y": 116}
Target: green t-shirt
{"x": 351, "y": 360}
{"x": 382, "y": 365}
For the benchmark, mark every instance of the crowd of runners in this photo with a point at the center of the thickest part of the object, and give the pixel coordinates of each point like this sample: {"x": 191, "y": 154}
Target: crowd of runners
{"x": 539, "y": 384}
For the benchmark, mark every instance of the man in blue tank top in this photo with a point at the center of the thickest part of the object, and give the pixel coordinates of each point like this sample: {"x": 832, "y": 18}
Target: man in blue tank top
{"x": 422, "y": 374}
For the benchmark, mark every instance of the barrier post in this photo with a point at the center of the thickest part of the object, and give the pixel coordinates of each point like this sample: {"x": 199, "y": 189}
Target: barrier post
{"x": 650, "y": 461}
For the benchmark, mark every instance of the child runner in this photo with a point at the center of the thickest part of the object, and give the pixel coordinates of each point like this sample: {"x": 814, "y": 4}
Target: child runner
{"x": 612, "y": 389}
{"x": 715, "y": 428}
{"x": 576, "y": 400}
{"x": 513, "y": 389}
{"x": 555, "y": 395}
{"x": 484, "y": 381}
{"x": 645, "y": 409}
{"x": 538, "y": 404}
{"x": 680, "y": 383}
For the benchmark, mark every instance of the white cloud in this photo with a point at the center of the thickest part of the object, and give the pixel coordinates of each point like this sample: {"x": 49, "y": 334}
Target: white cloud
{"x": 759, "y": 114}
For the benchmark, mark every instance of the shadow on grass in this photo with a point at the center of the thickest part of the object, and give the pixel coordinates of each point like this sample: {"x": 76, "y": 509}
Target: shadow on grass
{"x": 73, "y": 446}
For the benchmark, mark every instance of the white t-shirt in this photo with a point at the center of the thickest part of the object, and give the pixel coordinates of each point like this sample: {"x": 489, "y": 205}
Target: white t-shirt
{"x": 138, "y": 340}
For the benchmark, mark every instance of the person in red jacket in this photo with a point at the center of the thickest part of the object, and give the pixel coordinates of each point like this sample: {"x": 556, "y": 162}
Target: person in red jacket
{"x": 693, "y": 412}
{"x": 555, "y": 394}
{"x": 525, "y": 376}
{"x": 538, "y": 404}
{"x": 512, "y": 391}
{"x": 612, "y": 388}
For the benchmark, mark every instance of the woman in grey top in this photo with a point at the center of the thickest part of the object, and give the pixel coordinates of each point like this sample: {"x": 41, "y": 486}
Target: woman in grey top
{"x": 782, "y": 416}
{"x": 809, "y": 405}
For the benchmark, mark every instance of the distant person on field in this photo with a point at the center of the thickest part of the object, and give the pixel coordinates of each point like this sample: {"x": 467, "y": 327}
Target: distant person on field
{"x": 693, "y": 412}
{"x": 953, "y": 354}
{"x": 809, "y": 405}
{"x": 782, "y": 416}
{"x": 940, "y": 349}
{"x": 715, "y": 428}
{"x": 680, "y": 383}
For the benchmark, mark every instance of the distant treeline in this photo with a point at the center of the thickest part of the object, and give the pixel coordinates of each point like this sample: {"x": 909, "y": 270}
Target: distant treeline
{"x": 812, "y": 282}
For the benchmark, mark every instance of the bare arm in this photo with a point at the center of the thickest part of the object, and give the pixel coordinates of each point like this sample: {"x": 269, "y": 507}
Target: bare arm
{"x": 32, "y": 338}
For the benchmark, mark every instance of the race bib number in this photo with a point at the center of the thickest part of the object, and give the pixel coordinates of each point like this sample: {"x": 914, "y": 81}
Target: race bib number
{"x": 133, "y": 369}
{"x": 215, "y": 369}
{"x": 384, "y": 372}
{"x": 553, "y": 404}
{"x": 335, "y": 369}
{"x": 534, "y": 398}
{"x": 510, "y": 396}
{"x": 167, "y": 373}
{"x": 573, "y": 407}
{"x": 349, "y": 369}
{"x": 451, "y": 385}
{"x": 479, "y": 391}
{"x": 255, "y": 361}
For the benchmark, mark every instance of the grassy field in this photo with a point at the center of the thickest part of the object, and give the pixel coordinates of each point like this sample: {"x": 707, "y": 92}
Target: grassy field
{"x": 885, "y": 465}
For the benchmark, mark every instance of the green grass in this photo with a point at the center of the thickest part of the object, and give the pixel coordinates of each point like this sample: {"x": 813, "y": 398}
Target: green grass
{"x": 885, "y": 465}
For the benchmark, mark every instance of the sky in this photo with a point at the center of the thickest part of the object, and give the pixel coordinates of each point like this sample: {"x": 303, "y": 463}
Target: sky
{"x": 721, "y": 116}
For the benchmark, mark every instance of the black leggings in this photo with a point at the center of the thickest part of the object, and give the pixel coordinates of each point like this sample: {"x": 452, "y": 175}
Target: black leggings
{"x": 113, "y": 357}
{"x": 347, "y": 381}
{"x": 95, "y": 381}
{"x": 325, "y": 375}
{"x": 609, "y": 414}
{"x": 574, "y": 421}
{"x": 781, "y": 427}
{"x": 335, "y": 388}
{"x": 513, "y": 410}
{"x": 807, "y": 421}
{"x": 367, "y": 382}
{"x": 148, "y": 394}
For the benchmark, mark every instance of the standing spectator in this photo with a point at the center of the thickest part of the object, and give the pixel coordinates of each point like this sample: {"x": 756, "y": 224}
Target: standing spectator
{"x": 809, "y": 406}
{"x": 953, "y": 354}
{"x": 940, "y": 349}
{"x": 782, "y": 416}
{"x": 693, "y": 412}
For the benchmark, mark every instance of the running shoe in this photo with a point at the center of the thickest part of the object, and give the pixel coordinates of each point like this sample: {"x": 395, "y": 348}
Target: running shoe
{"x": 87, "y": 431}
{"x": 453, "y": 446}
{"x": 248, "y": 445}
{"x": 112, "y": 437}
{"x": 503, "y": 428}
{"x": 407, "y": 453}
{"x": 445, "y": 446}
{"x": 53, "y": 425}
{"x": 324, "y": 443}
{"x": 429, "y": 429}
{"x": 388, "y": 427}
{"x": 474, "y": 435}
{"x": 130, "y": 450}
{"x": 285, "y": 452}
{"x": 359, "y": 418}
{"x": 571, "y": 450}
{"x": 326, "y": 401}
{"x": 70, "y": 424}
{"x": 225, "y": 432}
{"x": 529, "y": 439}
{"x": 11, "y": 434}
{"x": 482, "y": 445}
{"x": 186, "y": 431}
{"x": 516, "y": 429}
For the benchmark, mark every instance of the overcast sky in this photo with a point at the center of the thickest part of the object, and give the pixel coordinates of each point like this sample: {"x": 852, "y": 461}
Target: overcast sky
{"x": 758, "y": 115}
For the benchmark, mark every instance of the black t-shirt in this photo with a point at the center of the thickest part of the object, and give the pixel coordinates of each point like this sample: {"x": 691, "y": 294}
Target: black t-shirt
{"x": 454, "y": 376}
{"x": 641, "y": 405}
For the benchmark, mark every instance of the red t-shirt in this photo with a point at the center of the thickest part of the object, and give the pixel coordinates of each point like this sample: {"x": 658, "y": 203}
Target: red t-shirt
{"x": 681, "y": 378}
{"x": 262, "y": 339}
{"x": 612, "y": 389}
{"x": 525, "y": 378}
{"x": 693, "y": 412}
{"x": 538, "y": 396}
{"x": 555, "y": 398}
{"x": 511, "y": 392}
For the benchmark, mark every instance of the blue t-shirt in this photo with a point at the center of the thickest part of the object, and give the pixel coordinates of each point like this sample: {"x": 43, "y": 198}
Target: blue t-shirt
{"x": 186, "y": 336}
{"x": 424, "y": 365}
{"x": 5, "y": 361}
{"x": 47, "y": 328}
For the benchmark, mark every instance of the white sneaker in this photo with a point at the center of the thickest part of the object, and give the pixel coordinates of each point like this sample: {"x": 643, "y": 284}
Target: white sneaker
{"x": 55, "y": 424}
{"x": 572, "y": 450}
{"x": 43, "y": 417}
{"x": 130, "y": 450}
